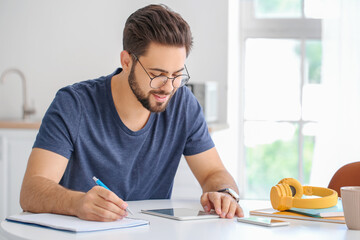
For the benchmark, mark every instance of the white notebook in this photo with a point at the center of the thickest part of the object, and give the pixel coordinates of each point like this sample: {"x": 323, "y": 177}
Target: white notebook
{"x": 73, "y": 224}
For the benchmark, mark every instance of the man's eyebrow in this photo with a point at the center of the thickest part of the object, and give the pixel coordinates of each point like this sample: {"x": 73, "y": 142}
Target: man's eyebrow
{"x": 164, "y": 71}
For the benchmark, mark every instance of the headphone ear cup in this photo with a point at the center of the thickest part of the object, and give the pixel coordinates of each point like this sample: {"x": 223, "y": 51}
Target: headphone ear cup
{"x": 280, "y": 196}
{"x": 275, "y": 196}
{"x": 287, "y": 190}
{"x": 295, "y": 187}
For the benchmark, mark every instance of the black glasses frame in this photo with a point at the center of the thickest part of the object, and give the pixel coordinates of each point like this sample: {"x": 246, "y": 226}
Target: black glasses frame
{"x": 167, "y": 78}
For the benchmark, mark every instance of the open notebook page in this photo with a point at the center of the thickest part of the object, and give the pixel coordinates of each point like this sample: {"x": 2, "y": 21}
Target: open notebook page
{"x": 73, "y": 224}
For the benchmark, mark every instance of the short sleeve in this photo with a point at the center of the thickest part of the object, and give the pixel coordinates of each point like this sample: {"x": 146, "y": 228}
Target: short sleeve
{"x": 59, "y": 127}
{"x": 198, "y": 136}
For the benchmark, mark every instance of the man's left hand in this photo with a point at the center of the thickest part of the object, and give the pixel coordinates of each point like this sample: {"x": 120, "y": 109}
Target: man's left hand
{"x": 223, "y": 204}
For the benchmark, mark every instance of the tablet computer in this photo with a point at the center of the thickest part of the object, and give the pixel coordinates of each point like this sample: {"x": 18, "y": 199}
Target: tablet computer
{"x": 181, "y": 213}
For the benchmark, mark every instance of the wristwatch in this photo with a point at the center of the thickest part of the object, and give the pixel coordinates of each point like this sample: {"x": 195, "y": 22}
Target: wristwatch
{"x": 231, "y": 192}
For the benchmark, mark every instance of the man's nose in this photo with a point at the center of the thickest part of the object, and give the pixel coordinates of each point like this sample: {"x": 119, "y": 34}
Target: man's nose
{"x": 168, "y": 86}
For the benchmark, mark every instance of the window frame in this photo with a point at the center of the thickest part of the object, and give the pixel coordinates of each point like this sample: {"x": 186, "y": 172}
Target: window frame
{"x": 301, "y": 29}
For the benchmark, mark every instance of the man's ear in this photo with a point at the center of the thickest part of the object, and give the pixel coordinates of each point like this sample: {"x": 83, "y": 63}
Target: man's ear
{"x": 126, "y": 61}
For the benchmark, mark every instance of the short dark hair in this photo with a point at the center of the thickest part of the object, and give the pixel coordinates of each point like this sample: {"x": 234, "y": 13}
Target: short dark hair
{"x": 158, "y": 24}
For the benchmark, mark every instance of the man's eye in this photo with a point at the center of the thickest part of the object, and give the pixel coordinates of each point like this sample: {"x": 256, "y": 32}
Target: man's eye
{"x": 159, "y": 75}
{"x": 178, "y": 74}
{"x": 155, "y": 75}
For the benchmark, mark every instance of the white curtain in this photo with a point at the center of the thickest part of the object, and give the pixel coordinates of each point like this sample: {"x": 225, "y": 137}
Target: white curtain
{"x": 338, "y": 139}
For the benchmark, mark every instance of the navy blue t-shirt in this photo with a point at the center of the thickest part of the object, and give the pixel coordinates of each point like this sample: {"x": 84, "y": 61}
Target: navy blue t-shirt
{"x": 82, "y": 124}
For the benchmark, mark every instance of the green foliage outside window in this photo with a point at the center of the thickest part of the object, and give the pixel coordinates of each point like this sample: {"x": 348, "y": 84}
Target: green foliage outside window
{"x": 313, "y": 59}
{"x": 267, "y": 164}
{"x": 280, "y": 8}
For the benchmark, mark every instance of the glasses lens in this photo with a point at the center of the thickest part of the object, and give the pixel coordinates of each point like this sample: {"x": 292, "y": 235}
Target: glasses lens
{"x": 180, "y": 81}
{"x": 158, "y": 81}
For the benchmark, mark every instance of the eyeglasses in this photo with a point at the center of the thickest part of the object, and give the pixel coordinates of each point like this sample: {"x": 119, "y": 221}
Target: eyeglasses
{"x": 159, "y": 81}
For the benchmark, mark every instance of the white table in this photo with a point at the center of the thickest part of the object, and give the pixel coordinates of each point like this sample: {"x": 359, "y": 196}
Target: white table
{"x": 162, "y": 228}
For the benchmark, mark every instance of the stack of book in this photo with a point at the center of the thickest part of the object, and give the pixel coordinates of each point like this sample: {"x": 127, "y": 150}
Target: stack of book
{"x": 334, "y": 214}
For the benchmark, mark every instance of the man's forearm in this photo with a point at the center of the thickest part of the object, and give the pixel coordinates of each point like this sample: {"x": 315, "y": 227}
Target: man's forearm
{"x": 39, "y": 194}
{"x": 219, "y": 180}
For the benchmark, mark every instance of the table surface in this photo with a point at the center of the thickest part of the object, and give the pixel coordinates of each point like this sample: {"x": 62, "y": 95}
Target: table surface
{"x": 162, "y": 228}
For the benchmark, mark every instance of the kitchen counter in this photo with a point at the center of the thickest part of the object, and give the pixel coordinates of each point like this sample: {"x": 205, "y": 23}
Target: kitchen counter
{"x": 213, "y": 127}
{"x": 31, "y": 124}
{"x": 20, "y": 124}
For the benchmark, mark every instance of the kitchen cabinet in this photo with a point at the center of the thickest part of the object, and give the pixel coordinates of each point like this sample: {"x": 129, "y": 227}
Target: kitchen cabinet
{"x": 15, "y": 148}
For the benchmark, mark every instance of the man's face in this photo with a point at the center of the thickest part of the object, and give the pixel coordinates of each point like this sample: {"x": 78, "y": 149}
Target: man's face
{"x": 159, "y": 60}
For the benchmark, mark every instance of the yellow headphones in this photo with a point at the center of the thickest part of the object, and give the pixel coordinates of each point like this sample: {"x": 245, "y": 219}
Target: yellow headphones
{"x": 288, "y": 192}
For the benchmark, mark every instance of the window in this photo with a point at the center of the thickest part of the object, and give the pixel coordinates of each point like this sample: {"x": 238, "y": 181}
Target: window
{"x": 281, "y": 42}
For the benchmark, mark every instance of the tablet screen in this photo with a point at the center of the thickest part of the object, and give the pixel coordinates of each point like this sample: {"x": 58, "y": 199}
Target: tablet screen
{"x": 180, "y": 213}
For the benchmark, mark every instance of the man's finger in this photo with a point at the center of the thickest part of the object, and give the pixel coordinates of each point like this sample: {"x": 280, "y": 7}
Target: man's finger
{"x": 110, "y": 206}
{"x": 215, "y": 198}
{"x": 232, "y": 210}
{"x": 239, "y": 212}
{"x": 225, "y": 204}
{"x": 111, "y": 197}
{"x": 204, "y": 200}
{"x": 104, "y": 215}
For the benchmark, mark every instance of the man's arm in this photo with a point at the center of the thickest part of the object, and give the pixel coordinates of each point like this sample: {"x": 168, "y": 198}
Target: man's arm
{"x": 41, "y": 192}
{"x": 212, "y": 176}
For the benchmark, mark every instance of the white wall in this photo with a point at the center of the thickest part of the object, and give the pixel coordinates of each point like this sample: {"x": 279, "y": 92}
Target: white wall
{"x": 56, "y": 43}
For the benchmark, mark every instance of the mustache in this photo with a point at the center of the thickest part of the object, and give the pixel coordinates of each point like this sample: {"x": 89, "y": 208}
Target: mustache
{"x": 161, "y": 92}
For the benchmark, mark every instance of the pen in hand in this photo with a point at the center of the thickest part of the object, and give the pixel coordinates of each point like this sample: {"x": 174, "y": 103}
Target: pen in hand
{"x": 100, "y": 183}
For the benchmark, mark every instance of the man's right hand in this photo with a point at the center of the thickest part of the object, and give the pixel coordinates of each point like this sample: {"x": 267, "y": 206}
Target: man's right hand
{"x": 100, "y": 204}
{"x": 41, "y": 192}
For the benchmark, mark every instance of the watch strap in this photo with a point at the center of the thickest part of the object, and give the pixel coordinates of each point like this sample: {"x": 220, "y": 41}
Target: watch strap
{"x": 231, "y": 192}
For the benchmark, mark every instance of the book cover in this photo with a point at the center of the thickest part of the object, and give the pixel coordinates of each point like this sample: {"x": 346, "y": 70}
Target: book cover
{"x": 336, "y": 211}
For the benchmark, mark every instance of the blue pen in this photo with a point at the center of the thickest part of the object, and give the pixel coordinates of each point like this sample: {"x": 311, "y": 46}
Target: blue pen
{"x": 100, "y": 183}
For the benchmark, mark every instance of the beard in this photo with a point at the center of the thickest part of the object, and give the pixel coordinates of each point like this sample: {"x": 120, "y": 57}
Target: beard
{"x": 144, "y": 98}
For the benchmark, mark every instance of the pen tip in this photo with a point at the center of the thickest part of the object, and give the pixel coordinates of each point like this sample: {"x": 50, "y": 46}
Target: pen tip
{"x": 94, "y": 178}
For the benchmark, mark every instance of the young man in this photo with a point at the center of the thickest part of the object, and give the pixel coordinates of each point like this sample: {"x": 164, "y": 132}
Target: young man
{"x": 130, "y": 130}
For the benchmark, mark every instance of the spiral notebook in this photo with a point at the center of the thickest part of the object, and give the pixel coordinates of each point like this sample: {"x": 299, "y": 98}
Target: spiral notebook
{"x": 73, "y": 224}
